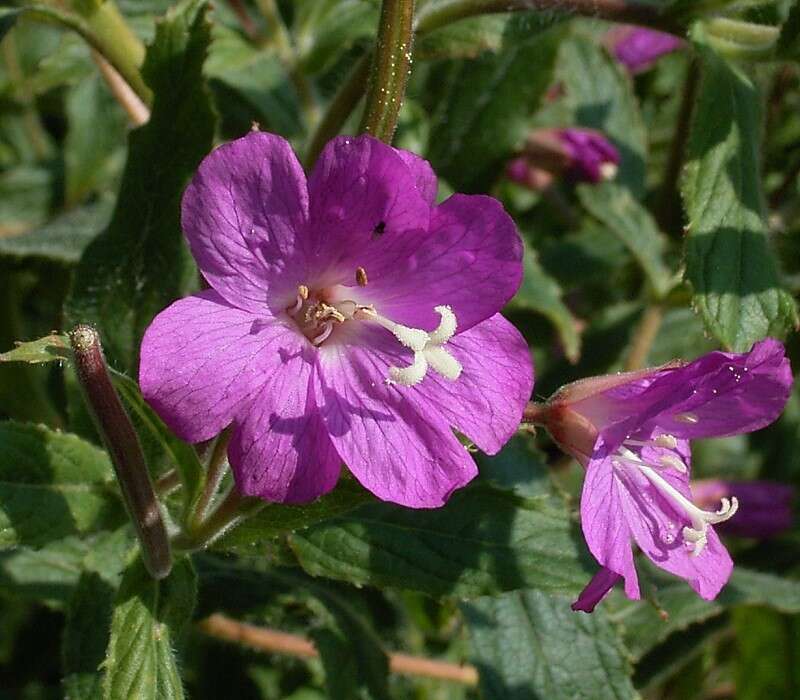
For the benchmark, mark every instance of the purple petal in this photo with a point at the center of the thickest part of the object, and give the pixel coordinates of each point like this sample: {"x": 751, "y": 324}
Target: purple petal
{"x": 602, "y": 582}
{"x": 718, "y": 394}
{"x": 423, "y": 174}
{"x": 280, "y": 450}
{"x": 470, "y": 260}
{"x": 486, "y": 402}
{"x": 365, "y": 209}
{"x": 201, "y": 360}
{"x": 656, "y": 524}
{"x": 394, "y": 451}
{"x": 604, "y": 524}
{"x": 241, "y": 215}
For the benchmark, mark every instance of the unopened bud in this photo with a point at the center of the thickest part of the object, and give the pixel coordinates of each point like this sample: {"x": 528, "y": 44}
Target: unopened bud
{"x": 123, "y": 445}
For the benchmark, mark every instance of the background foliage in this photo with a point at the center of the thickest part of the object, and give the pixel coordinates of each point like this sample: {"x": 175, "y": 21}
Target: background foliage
{"x": 89, "y": 232}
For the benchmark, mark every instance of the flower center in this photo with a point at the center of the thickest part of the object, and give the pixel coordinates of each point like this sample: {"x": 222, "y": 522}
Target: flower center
{"x": 317, "y": 317}
{"x": 695, "y": 536}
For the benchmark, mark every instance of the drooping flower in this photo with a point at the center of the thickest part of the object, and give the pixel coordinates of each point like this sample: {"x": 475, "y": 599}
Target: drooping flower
{"x": 632, "y": 431}
{"x": 765, "y": 507}
{"x": 638, "y": 48}
{"x": 349, "y": 319}
{"x": 593, "y": 157}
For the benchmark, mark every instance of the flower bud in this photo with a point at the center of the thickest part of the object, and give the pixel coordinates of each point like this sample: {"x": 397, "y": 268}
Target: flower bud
{"x": 123, "y": 445}
{"x": 638, "y": 48}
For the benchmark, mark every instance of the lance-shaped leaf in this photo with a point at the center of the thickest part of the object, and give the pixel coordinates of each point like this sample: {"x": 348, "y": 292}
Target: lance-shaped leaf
{"x": 52, "y": 485}
{"x": 140, "y": 263}
{"x": 728, "y": 259}
{"x": 148, "y": 620}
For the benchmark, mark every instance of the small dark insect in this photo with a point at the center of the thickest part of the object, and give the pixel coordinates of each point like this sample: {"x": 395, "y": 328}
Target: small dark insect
{"x": 379, "y": 229}
{"x": 361, "y": 277}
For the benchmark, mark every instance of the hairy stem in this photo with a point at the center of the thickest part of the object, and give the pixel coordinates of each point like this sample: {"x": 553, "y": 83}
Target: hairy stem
{"x": 391, "y": 65}
{"x": 231, "y": 511}
{"x": 273, "y": 641}
{"x": 215, "y": 473}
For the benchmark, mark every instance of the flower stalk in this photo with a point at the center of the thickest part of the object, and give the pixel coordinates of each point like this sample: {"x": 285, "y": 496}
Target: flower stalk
{"x": 391, "y": 66}
{"x": 123, "y": 445}
{"x": 110, "y": 35}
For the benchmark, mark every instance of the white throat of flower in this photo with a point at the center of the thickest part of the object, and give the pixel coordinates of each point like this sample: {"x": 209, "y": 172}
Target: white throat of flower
{"x": 319, "y": 318}
{"x": 695, "y": 536}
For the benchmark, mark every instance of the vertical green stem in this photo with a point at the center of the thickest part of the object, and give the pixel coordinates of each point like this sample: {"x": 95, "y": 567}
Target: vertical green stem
{"x": 391, "y": 66}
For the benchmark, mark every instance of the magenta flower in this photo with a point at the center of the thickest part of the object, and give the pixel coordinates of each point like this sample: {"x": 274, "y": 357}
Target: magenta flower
{"x": 632, "y": 433}
{"x": 592, "y": 157}
{"x": 349, "y": 319}
{"x": 638, "y": 48}
{"x": 765, "y": 507}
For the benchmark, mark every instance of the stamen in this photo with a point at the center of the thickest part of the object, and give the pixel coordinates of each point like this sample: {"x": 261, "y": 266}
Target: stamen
{"x": 302, "y": 295}
{"x": 608, "y": 171}
{"x": 668, "y": 441}
{"x": 361, "y": 277}
{"x": 327, "y": 329}
{"x": 694, "y": 536}
{"x": 673, "y": 461}
{"x": 689, "y": 418}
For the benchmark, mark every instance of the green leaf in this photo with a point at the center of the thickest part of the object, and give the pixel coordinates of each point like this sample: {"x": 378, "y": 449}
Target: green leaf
{"x": 50, "y": 573}
{"x": 61, "y": 240}
{"x": 789, "y": 40}
{"x": 27, "y": 194}
{"x": 468, "y": 38}
{"x": 140, "y": 263}
{"x": 645, "y": 626}
{"x": 484, "y": 114}
{"x": 86, "y": 636}
{"x": 52, "y": 485}
{"x": 633, "y": 225}
{"x": 51, "y": 348}
{"x": 728, "y": 260}
{"x": 148, "y": 620}
{"x": 326, "y": 29}
{"x": 483, "y": 541}
{"x": 351, "y": 653}
{"x": 767, "y": 655}
{"x": 541, "y": 293}
{"x": 257, "y": 533}
{"x": 530, "y": 645}
{"x": 93, "y": 155}
{"x": 599, "y": 95}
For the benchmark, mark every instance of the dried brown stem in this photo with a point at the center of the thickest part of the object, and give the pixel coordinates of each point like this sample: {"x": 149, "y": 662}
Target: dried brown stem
{"x": 273, "y": 641}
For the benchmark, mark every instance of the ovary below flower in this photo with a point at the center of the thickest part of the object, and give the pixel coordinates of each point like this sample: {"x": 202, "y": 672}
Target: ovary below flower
{"x": 350, "y": 319}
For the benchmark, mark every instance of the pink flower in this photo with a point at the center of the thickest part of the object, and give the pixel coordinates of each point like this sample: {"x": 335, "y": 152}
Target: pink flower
{"x": 632, "y": 431}
{"x": 349, "y": 319}
{"x": 638, "y": 48}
